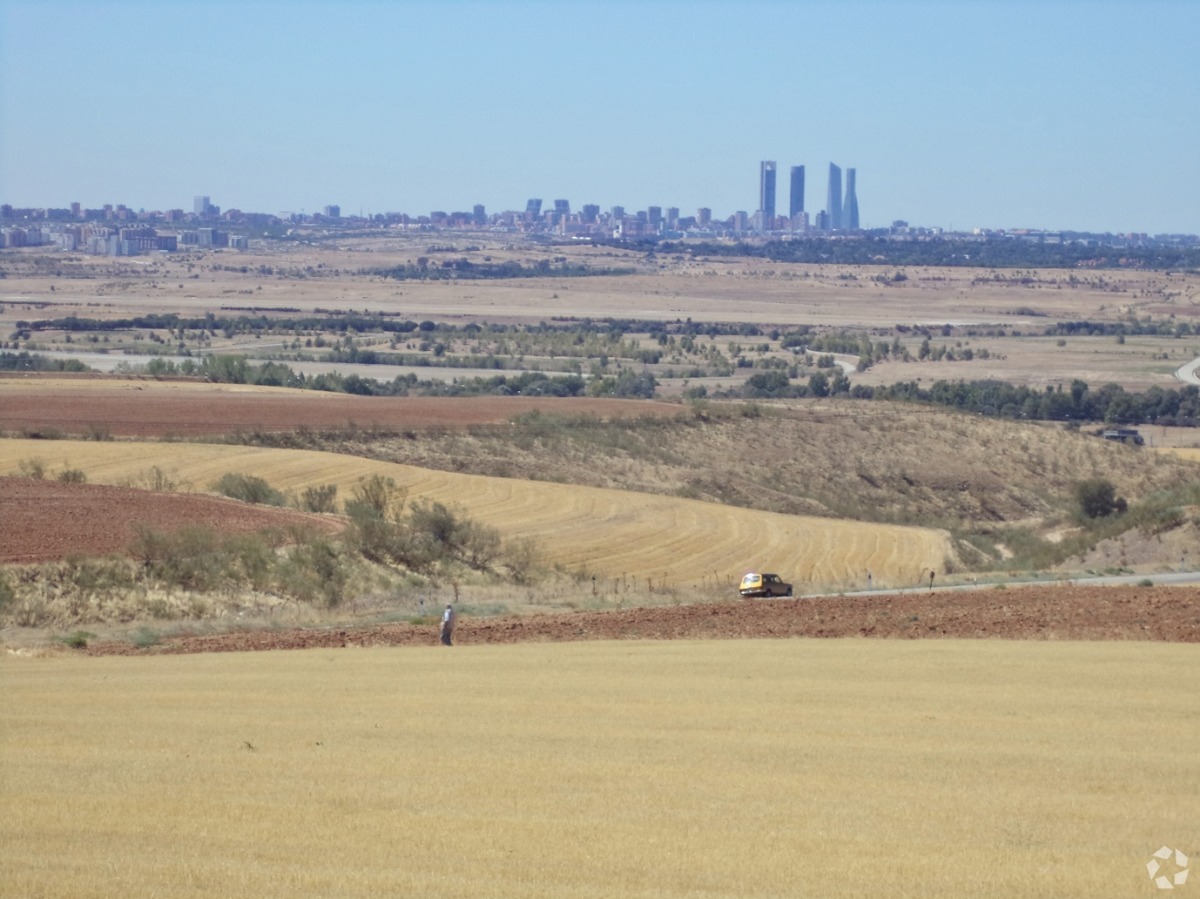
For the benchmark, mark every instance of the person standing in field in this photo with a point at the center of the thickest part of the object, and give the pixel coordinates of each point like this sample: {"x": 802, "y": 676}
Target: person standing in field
{"x": 448, "y": 617}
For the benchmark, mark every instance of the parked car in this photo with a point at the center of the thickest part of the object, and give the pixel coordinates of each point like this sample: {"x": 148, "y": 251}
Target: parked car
{"x": 754, "y": 584}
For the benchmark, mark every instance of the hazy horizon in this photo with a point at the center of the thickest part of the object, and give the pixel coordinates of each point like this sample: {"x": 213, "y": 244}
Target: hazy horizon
{"x": 1061, "y": 115}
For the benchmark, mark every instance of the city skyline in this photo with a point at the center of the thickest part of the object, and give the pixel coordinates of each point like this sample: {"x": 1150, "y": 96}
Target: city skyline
{"x": 1060, "y": 115}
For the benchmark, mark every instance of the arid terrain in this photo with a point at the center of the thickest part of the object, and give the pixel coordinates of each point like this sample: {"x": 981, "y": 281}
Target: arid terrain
{"x": 1059, "y": 612}
{"x": 676, "y": 497}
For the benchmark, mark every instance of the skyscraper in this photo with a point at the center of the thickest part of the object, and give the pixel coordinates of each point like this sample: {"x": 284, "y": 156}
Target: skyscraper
{"x": 796, "y": 203}
{"x": 850, "y": 205}
{"x": 833, "y": 201}
{"x": 766, "y": 194}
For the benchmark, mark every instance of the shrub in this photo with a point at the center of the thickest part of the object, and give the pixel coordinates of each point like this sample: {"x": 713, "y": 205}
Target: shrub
{"x": 523, "y": 558}
{"x": 191, "y": 558}
{"x": 156, "y": 479}
{"x": 7, "y": 595}
{"x": 1098, "y": 498}
{"x": 312, "y": 570}
{"x": 380, "y": 495}
{"x": 319, "y": 499}
{"x": 144, "y": 638}
{"x": 248, "y": 489}
{"x": 72, "y": 476}
{"x": 32, "y": 467}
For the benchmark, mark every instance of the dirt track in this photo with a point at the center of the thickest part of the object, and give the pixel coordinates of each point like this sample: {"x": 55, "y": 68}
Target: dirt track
{"x": 1026, "y": 613}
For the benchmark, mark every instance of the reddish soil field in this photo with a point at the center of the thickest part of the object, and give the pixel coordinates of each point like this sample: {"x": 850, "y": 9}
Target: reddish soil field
{"x": 42, "y": 521}
{"x": 1166, "y": 614}
{"x": 148, "y": 408}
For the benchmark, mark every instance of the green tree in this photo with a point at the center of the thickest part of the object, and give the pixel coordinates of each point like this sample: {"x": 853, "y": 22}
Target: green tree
{"x": 1097, "y": 498}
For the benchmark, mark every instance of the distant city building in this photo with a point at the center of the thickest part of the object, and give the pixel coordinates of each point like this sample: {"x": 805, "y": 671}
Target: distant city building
{"x": 562, "y": 207}
{"x": 741, "y": 221}
{"x": 479, "y": 214}
{"x": 654, "y": 216}
{"x": 833, "y": 200}
{"x": 704, "y": 216}
{"x": 672, "y": 217}
{"x": 850, "y": 204}
{"x": 333, "y": 212}
{"x": 590, "y": 213}
{"x": 796, "y": 198}
{"x": 618, "y": 213}
{"x": 200, "y": 205}
{"x": 533, "y": 209}
{"x": 766, "y": 193}
{"x": 822, "y": 223}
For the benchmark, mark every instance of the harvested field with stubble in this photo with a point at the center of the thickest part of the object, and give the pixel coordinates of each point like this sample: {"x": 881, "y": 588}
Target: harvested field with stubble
{"x": 742, "y": 768}
{"x": 667, "y": 542}
{"x": 663, "y": 738}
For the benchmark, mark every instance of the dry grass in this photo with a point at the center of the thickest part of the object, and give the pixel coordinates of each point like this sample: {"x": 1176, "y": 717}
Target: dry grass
{"x": 898, "y": 463}
{"x": 755, "y": 768}
{"x": 722, "y": 289}
{"x": 609, "y": 533}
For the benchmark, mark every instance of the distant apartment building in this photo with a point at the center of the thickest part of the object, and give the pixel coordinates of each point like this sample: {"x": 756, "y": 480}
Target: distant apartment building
{"x": 332, "y": 212}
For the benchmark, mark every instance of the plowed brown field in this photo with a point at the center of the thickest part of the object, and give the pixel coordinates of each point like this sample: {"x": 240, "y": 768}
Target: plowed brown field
{"x": 140, "y": 407}
{"x": 1168, "y": 614}
{"x": 45, "y": 520}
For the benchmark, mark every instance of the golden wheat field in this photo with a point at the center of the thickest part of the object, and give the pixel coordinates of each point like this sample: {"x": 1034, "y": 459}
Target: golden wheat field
{"x": 608, "y": 533}
{"x": 747, "y": 768}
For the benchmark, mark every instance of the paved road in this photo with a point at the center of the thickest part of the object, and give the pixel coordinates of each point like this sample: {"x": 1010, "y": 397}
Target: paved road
{"x": 1166, "y": 578}
{"x": 1188, "y": 373}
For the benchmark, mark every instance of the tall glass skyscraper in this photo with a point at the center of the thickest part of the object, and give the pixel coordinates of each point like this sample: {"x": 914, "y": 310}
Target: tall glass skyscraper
{"x": 796, "y": 200}
{"x": 833, "y": 202}
{"x": 850, "y": 204}
{"x": 766, "y": 194}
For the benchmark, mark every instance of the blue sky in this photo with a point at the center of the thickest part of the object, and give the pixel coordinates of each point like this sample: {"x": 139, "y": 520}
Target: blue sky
{"x": 1081, "y": 115}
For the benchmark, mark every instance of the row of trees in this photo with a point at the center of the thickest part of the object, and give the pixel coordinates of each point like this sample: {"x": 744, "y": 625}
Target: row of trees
{"x": 996, "y": 252}
{"x": 465, "y": 269}
{"x": 1110, "y": 403}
